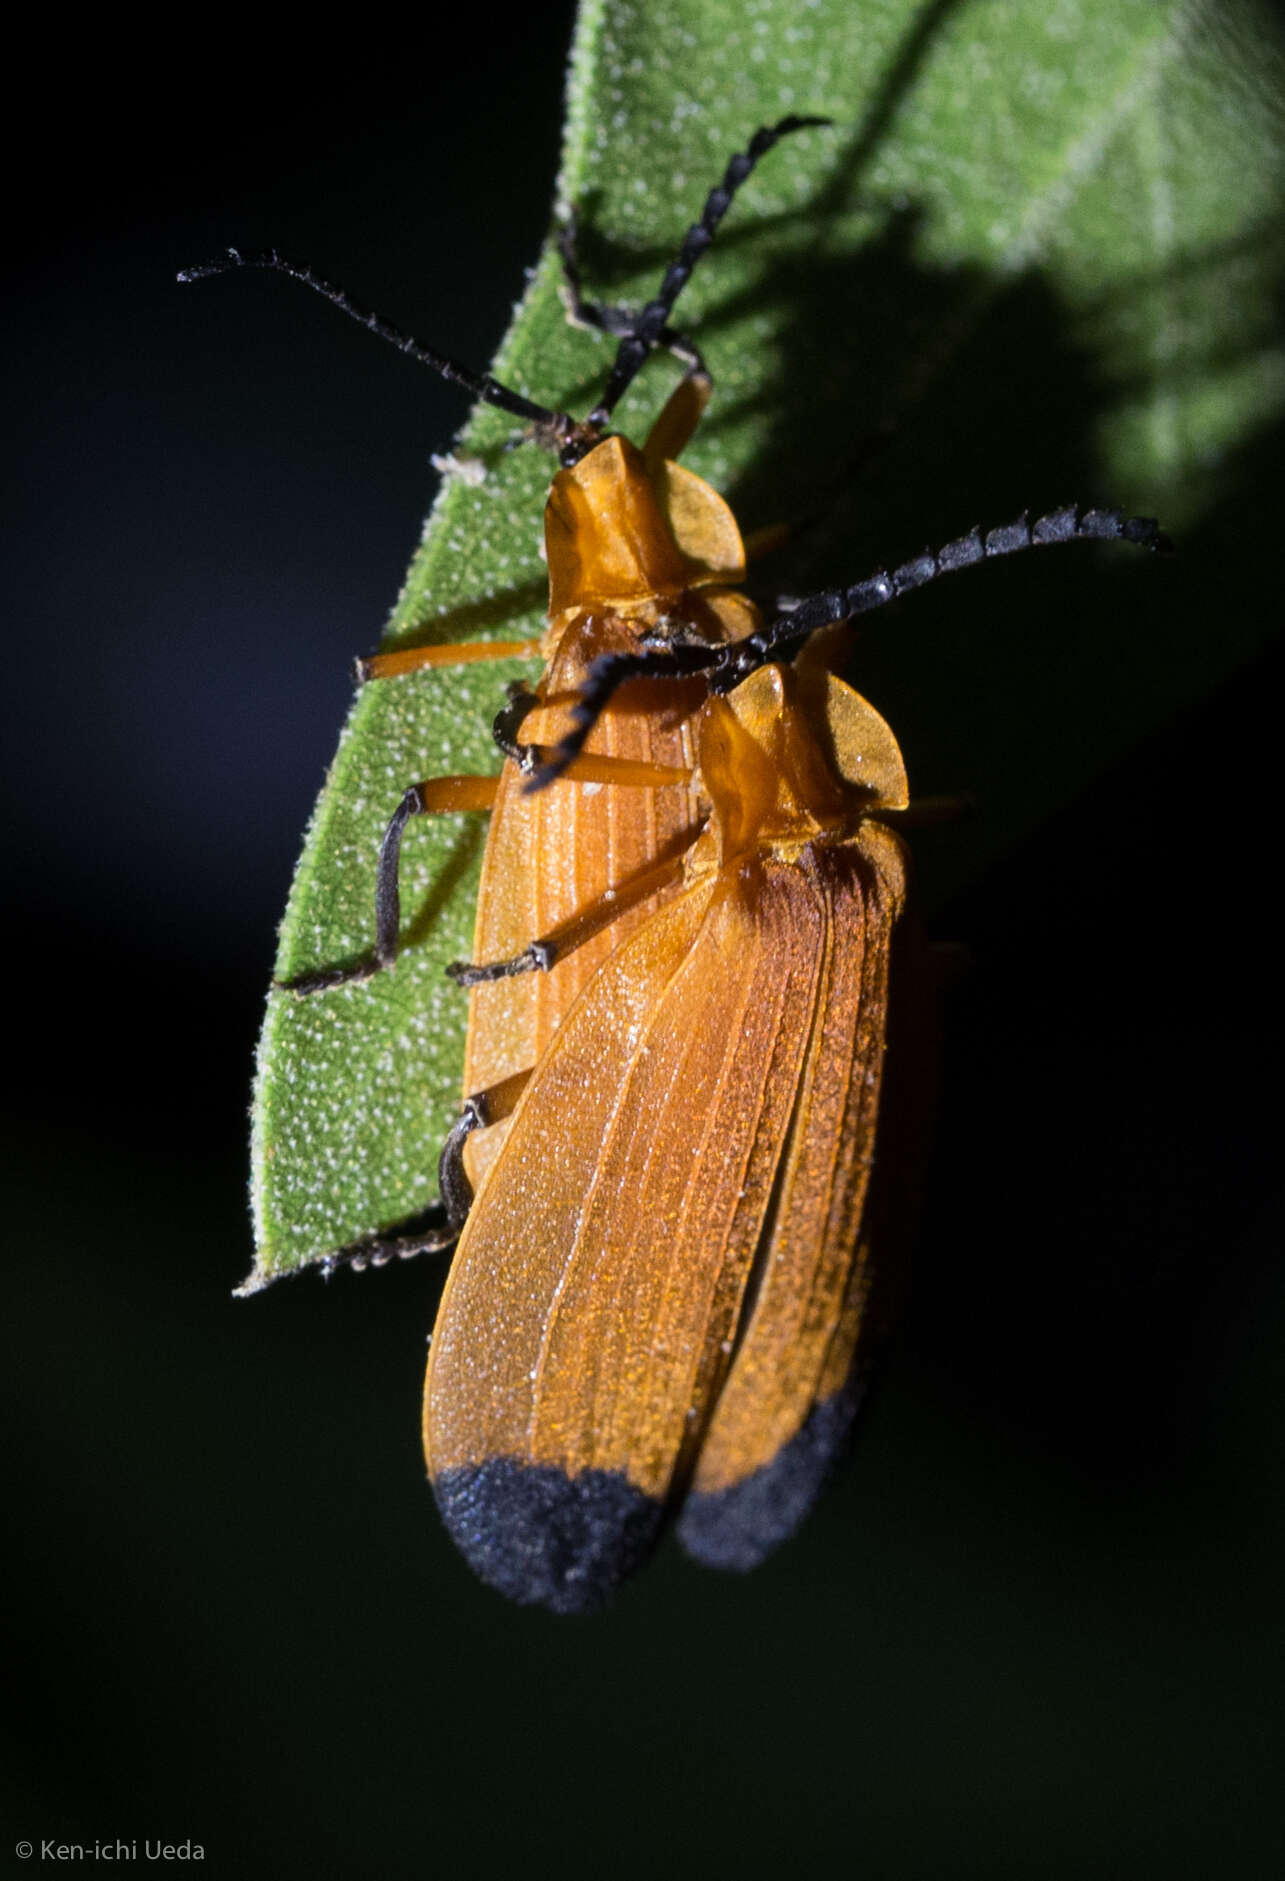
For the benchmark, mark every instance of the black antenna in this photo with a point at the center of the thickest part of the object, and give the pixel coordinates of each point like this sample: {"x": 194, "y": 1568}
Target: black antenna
{"x": 727, "y": 665}
{"x": 649, "y": 327}
{"x": 639, "y": 334}
{"x": 558, "y": 425}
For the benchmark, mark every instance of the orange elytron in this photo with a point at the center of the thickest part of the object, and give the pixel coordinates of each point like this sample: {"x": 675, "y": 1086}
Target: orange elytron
{"x": 672, "y": 1270}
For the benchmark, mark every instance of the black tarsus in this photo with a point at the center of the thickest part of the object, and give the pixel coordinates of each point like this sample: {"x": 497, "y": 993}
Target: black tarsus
{"x": 388, "y": 910}
{"x": 436, "y": 1235}
{"x": 652, "y": 321}
{"x": 519, "y": 701}
{"x": 728, "y": 665}
{"x": 456, "y": 1189}
{"x": 388, "y": 896}
{"x": 558, "y": 425}
{"x": 441, "y": 1224}
{"x": 538, "y": 956}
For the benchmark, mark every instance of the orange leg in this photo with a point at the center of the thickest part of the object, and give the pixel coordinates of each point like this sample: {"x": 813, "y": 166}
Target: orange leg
{"x": 763, "y": 541}
{"x": 413, "y": 659}
{"x": 928, "y": 812}
{"x": 539, "y": 955}
{"x": 438, "y": 796}
{"x": 444, "y": 796}
{"x": 679, "y": 417}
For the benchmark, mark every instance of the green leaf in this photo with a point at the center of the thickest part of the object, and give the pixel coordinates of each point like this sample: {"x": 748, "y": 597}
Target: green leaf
{"x": 1037, "y": 259}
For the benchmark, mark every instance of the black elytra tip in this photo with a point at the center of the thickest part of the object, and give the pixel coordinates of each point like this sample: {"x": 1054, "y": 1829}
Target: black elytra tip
{"x": 543, "y": 1538}
{"x": 737, "y": 1528}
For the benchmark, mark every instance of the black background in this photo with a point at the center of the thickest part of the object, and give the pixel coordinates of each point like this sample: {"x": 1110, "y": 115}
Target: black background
{"x": 1036, "y": 1627}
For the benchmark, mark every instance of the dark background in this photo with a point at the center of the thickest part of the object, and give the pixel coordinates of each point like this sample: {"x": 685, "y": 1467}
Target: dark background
{"x": 1036, "y": 1628}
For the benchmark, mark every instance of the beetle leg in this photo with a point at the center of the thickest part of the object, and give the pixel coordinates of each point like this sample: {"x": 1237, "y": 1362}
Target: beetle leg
{"x": 588, "y": 768}
{"x": 679, "y": 417}
{"x": 437, "y": 1233}
{"x": 928, "y": 812}
{"x": 765, "y": 541}
{"x": 540, "y": 955}
{"x": 438, "y": 1228}
{"x": 438, "y": 796}
{"x": 508, "y": 723}
{"x": 605, "y": 677}
{"x": 401, "y": 660}
{"x": 478, "y": 1112}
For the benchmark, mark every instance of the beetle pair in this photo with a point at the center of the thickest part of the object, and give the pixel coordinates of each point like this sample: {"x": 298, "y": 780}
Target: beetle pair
{"x": 667, "y": 1285}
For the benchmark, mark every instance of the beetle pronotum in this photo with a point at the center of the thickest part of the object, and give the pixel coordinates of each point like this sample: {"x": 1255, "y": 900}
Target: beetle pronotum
{"x": 663, "y": 1294}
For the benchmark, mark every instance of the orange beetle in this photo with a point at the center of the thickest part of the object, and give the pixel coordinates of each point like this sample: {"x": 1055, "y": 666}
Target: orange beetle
{"x": 673, "y": 1277}
{"x": 672, "y": 1269}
